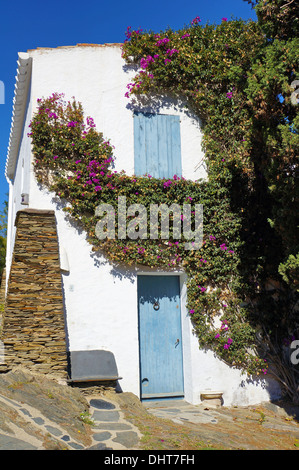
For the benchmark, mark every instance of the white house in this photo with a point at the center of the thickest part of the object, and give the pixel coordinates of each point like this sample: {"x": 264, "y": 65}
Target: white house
{"x": 102, "y": 303}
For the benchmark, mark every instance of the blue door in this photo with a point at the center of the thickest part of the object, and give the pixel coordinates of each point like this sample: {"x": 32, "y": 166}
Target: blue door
{"x": 157, "y": 145}
{"x": 160, "y": 337}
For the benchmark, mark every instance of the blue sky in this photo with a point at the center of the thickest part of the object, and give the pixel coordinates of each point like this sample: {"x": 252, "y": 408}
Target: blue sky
{"x": 31, "y": 24}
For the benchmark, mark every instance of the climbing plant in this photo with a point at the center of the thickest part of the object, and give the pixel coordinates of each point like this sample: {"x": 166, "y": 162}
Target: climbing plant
{"x": 223, "y": 73}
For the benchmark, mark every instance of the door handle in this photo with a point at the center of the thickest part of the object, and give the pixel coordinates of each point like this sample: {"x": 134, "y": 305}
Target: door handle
{"x": 177, "y": 342}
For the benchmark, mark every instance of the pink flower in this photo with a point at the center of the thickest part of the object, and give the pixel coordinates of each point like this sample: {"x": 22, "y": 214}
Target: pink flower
{"x": 224, "y": 325}
{"x": 224, "y": 19}
{"x": 143, "y": 63}
{"x": 171, "y": 51}
{"x": 191, "y": 311}
{"x": 196, "y": 20}
{"x": 160, "y": 42}
{"x": 229, "y": 342}
{"x": 128, "y": 33}
{"x": 203, "y": 289}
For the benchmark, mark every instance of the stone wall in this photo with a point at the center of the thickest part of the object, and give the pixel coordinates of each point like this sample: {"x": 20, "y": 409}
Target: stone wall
{"x": 33, "y": 330}
{"x": 2, "y": 297}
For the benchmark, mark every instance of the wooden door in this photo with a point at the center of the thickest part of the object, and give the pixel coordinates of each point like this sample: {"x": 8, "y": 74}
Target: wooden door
{"x": 160, "y": 336}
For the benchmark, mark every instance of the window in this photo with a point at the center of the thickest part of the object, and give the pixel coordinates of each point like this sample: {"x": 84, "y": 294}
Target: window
{"x": 157, "y": 145}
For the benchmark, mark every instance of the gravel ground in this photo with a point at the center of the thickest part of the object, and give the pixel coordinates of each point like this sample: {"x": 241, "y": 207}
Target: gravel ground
{"x": 38, "y": 413}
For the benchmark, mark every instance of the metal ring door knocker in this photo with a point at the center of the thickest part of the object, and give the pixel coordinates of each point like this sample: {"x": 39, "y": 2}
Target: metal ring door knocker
{"x": 156, "y": 306}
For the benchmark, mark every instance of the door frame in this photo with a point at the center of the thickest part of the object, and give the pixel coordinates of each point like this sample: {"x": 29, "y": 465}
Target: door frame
{"x": 182, "y": 286}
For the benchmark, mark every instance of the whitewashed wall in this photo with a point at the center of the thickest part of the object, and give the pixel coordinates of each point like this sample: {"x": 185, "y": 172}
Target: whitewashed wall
{"x": 100, "y": 301}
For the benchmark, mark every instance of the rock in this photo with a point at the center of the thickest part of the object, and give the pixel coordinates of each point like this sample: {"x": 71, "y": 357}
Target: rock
{"x": 40, "y": 407}
{"x": 128, "y": 439}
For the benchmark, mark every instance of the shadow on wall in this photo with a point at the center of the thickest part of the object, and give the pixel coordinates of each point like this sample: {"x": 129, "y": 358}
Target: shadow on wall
{"x": 266, "y": 383}
{"x": 155, "y": 104}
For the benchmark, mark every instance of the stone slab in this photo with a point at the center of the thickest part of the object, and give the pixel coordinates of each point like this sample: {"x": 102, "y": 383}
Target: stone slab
{"x": 105, "y": 415}
{"x": 12, "y": 443}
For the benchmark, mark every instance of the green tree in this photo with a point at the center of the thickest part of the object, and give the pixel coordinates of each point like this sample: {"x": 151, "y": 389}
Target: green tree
{"x": 279, "y": 19}
{"x": 275, "y": 144}
{"x": 276, "y": 120}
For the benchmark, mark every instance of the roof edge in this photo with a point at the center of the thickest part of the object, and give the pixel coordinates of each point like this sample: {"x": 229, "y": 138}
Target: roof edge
{"x": 19, "y": 106}
{"x": 76, "y": 46}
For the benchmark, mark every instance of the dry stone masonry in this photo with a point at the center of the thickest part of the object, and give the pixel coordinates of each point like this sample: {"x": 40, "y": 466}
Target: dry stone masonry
{"x": 33, "y": 330}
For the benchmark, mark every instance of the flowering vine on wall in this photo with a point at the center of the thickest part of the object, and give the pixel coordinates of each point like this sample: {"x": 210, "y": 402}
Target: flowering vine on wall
{"x": 75, "y": 161}
{"x": 237, "y": 77}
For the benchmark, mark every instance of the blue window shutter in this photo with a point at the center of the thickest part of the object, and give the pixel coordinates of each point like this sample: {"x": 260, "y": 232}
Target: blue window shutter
{"x": 157, "y": 145}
